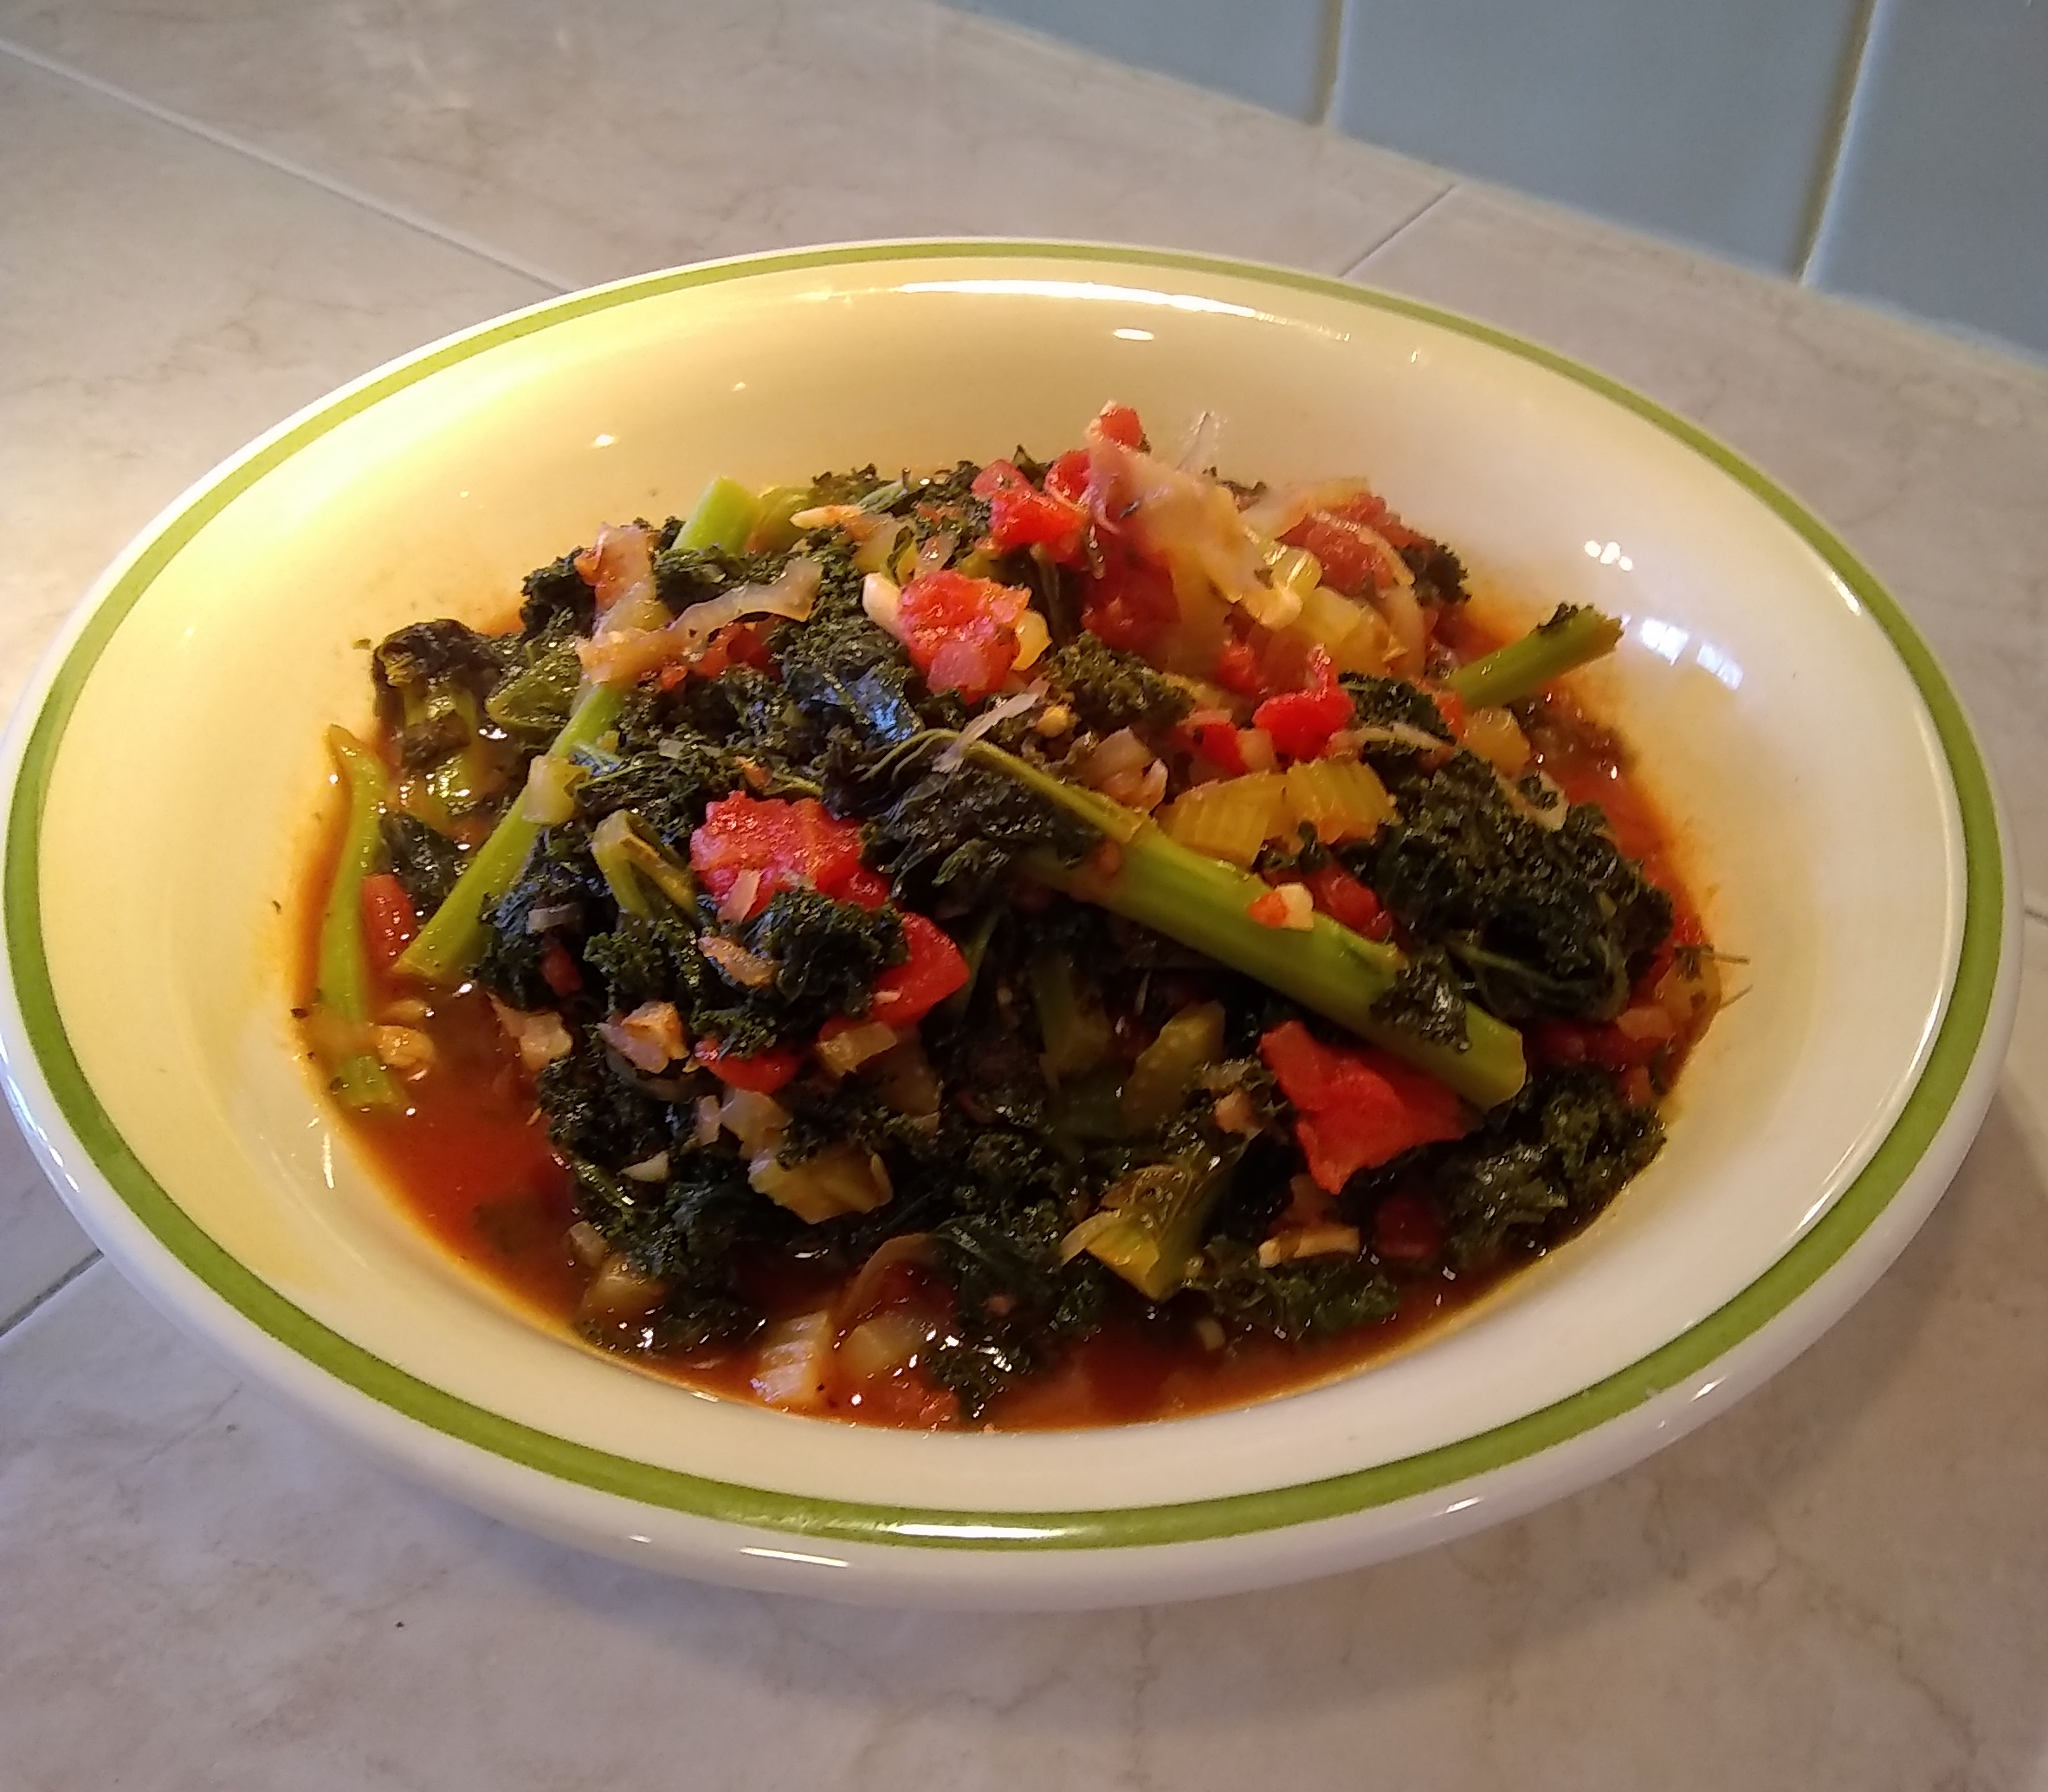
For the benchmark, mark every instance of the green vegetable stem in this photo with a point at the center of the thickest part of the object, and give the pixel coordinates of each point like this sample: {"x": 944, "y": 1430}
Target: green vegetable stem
{"x": 360, "y": 1080}
{"x": 1204, "y": 903}
{"x": 1573, "y": 637}
{"x": 456, "y": 937}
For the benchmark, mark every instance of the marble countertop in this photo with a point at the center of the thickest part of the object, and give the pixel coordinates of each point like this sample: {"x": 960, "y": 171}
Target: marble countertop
{"x": 215, "y": 213}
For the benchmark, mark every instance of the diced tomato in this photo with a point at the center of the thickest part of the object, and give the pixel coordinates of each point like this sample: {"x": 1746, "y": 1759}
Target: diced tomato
{"x": 1067, "y": 477}
{"x": 1020, "y": 515}
{"x": 788, "y": 843}
{"x": 1238, "y": 669}
{"x": 762, "y": 1074}
{"x": 961, "y": 631}
{"x": 1118, "y": 424}
{"x": 1405, "y": 1229}
{"x": 388, "y": 921}
{"x": 1451, "y": 707}
{"x": 1349, "y": 903}
{"x": 1355, "y": 1107}
{"x": 863, "y": 888}
{"x": 558, "y": 969}
{"x": 934, "y": 969}
{"x": 1215, "y": 737}
{"x": 1301, "y": 722}
{"x": 1131, "y": 604}
{"x": 1268, "y": 910}
{"x": 1351, "y": 561}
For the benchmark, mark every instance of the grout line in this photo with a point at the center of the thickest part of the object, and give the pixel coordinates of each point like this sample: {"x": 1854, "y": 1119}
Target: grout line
{"x": 1330, "y": 54}
{"x": 49, "y": 1294}
{"x": 224, "y": 140}
{"x": 1849, "y": 94}
{"x": 1415, "y": 217}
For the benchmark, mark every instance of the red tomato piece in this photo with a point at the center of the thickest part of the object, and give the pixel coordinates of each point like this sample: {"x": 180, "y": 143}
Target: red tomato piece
{"x": 1355, "y": 1107}
{"x": 1067, "y": 477}
{"x": 1215, "y": 737}
{"x": 1301, "y": 722}
{"x": 1118, "y": 424}
{"x": 558, "y": 969}
{"x": 1560, "y": 1042}
{"x": 1351, "y": 561}
{"x": 787, "y": 843}
{"x": 1268, "y": 910}
{"x": 1020, "y": 515}
{"x": 934, "y": 969}
{"x": 762, "y": 1074}
{"x": 863, "y": 888}
{"x": 1238, "y": 669}
{"x": 1129, "y": 604}
{"x": 1349, "y": 903}
{"x": 388, "y": 921}
{"x": 961, "y": 631}
{"x": 1451, "y": 707}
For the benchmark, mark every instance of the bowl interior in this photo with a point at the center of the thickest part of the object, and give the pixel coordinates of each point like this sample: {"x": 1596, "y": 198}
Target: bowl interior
{"x": 1773, "y": 719}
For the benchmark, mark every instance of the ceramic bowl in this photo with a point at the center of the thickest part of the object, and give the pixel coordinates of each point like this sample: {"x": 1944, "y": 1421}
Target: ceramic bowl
{"x": 1834, "y": 810}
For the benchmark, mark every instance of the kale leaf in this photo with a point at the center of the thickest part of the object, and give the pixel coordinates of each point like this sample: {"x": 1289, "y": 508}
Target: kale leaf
{"x": 1110, "y": 689}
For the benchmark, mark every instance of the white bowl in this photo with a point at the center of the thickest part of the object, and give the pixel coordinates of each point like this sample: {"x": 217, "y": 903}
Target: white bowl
{"x": 165, "y": 765}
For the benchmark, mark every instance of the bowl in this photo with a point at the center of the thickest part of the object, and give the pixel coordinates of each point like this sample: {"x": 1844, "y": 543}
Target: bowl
{"x": 1831, "y": 806}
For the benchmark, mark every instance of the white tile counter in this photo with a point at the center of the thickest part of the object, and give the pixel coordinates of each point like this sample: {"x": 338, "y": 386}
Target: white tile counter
{"x": 213, "y": 213}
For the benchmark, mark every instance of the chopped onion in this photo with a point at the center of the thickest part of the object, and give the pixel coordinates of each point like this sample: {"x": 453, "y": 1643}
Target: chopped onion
{"x": 789, "y": 1368}
{"x": 540, "y": 1038}
{"x": 707, "y": 1118}
{"x": 849, "y": 1050}
{"x": 756, "y": 1120}
{"x": 648, "y": 1169}
{"x": 1276, "y": 511}
{"x": 841, "y": 1179}
{"x": 618, "y": 565}
{"x": 913, "y": 1249}
{"x": 620, "y": 1293}
{"x": 933, "y": 554}
{"x": 1198, "y": 448}
{"x": 549, "y": 796}
{"x": 649, "y": 1038}
{"x": 992, "y": 717}
{"x": 738, "y": 901}
{"x": 553, "y": 915}
{"x": 404, "y": 1049}
{"x": 749, "y": 970}
{"x": 883, "y": 603}
{"x": 1310, "y": 1241}
{"x": 1119, "y": 752}
{"x": 619, "y": 656}
{"x": 1138, "y": 790}
{"x": 586, "y": 1245}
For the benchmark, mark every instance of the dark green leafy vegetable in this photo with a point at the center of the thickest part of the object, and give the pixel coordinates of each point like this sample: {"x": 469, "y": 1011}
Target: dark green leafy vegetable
{"x": 1109, "y": 689}
{"x": 1320, "y": 1298}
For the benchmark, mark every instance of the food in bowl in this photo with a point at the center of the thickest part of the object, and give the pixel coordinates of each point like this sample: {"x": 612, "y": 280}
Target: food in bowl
{"x": 1030, "y": 944}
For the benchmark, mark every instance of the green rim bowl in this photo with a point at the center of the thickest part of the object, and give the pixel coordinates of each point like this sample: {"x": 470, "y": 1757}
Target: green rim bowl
{"x": 1830, "y": 802}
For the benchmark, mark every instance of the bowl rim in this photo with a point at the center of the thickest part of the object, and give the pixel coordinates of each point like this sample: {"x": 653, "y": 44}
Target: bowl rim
{"x": 38, "y": 1029}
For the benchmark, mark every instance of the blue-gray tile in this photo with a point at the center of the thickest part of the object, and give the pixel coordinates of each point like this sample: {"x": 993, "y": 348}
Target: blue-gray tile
{"x": 1270, "y": 54}
{"x": 1707, "y": 123}
{"x": 1941, "y": 205}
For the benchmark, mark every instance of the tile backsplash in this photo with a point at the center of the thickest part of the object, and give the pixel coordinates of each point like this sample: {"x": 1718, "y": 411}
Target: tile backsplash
{"x": 1895, "y": 150}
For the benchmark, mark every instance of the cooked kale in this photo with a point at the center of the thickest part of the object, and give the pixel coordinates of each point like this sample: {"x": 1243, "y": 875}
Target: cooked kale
{"x": 444, "y": 651}
{"x": 1391, "y": 702}
{"x": 426, "y": 863}
{"x": 1109, "y": 689}
{"x": 1540, "y": 921}
{"x": 557, "y": 596}
{"x": 652, "y": 959}
{"x": 1425, "y": 1001}
{"x": 597, "y": 1115}
{"x": 1317, "y": 1297}
{"x": 1536, "y": 1168}
{"x": 667, "y": 784}
{"x": 684, "y": 576}
{"x": 1439, "y": 574}
{"x": 827, "y": 955}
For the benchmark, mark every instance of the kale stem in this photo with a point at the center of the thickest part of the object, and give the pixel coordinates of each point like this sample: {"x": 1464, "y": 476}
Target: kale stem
{"x": 360, "y": 1080}
{"x": 454, "y": 940}
{"x": 1573, "y": 636}
{"x": 1204, "y": 903}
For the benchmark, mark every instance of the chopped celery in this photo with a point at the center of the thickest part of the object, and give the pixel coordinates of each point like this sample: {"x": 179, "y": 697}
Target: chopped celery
{"x": 1231, "y": 818}
{"x": 1167, "y": 1068}
{"x": 625, "y": 854}
{"x": 774, "y": 531}
{"x": 342, "y": 969}
{"x": 724, "y": 517}
{"x": 1150, "y": 1227}
{"x": 1342, "y": 799}
{"x": 1071, "y": 1023}
{"x": 541, "y": 699}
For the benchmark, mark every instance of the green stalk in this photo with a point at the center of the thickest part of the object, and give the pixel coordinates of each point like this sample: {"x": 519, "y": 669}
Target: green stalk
{"x": 1151, "y": 1225}
{"x": 1203, "y": 903}
{"x": 724, "y": 517}
{"x": 1573, "y": 636}
{"x": 343, "y": 970}
{"x": 450, "y": 943}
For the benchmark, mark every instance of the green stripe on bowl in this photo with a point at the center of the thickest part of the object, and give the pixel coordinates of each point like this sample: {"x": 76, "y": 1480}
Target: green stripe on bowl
{"x": 1925, "y": 1110}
